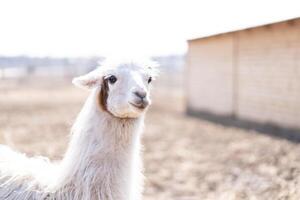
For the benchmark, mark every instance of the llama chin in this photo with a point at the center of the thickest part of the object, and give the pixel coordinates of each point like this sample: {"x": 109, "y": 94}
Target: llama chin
{"x": 103, "y": 157}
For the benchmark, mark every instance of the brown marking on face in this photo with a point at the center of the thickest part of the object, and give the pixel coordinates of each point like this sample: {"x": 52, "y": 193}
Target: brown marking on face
{"x": 103, "y": 95}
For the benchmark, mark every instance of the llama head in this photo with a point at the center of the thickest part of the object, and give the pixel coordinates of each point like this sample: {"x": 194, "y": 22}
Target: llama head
{"x": 123, "y": 87}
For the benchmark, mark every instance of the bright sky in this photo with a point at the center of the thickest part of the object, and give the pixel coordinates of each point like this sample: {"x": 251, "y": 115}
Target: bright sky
{"x": 147, "y": 27}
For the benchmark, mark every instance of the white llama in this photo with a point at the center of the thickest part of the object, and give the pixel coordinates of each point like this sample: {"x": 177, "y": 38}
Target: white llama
{"x": 103, "y": 158}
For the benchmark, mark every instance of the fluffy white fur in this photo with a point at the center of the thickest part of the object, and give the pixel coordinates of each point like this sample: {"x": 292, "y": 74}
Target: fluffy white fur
{"x": 103, "y": 158}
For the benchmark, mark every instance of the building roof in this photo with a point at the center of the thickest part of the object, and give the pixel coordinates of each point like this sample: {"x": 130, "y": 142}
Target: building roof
{"x": 238, "y": 27}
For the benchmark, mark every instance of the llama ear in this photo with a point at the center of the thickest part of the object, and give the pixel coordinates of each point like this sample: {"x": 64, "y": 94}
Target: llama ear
{"x": 88, "y": 81}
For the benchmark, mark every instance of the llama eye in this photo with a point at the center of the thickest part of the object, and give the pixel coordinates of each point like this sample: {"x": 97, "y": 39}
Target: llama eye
{"x": 112, "y": 79}
{"x": 150, "y": 79}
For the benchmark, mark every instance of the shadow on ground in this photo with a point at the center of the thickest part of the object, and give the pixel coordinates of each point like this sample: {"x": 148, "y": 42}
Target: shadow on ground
{"x": 270, "y": 129}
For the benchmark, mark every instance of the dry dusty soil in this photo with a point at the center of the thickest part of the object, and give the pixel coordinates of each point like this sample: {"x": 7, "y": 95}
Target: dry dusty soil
{"x": 185, "y": 158}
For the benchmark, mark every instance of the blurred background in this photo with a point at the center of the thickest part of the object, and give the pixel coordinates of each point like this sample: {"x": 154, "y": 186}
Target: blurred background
{"x": 226, "y": 114}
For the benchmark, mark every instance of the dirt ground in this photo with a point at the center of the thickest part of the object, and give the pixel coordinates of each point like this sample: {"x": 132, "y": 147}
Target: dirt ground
{"x": 185, "y": 158}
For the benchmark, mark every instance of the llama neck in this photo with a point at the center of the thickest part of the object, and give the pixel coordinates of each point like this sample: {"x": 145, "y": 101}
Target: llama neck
{"x": 102, "y": 152}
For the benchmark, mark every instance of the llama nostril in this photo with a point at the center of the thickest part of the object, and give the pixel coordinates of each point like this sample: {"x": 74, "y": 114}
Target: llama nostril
{"x": 140, "y": 94}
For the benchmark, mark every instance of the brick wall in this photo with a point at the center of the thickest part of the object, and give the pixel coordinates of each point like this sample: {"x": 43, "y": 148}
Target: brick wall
{"x": 269, "y": 74}
{"x": 254, "y": 74}
{"x": 209, "y": 75}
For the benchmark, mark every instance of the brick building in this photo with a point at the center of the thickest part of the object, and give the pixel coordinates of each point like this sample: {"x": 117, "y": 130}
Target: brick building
{"x": 252, "y": 74}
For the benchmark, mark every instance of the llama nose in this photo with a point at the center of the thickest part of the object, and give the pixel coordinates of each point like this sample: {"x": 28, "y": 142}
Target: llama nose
{"x": 141, "y": 94}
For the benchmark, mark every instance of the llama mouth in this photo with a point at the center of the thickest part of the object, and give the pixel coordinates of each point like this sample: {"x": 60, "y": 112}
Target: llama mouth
{"x": 140, "y": 106}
